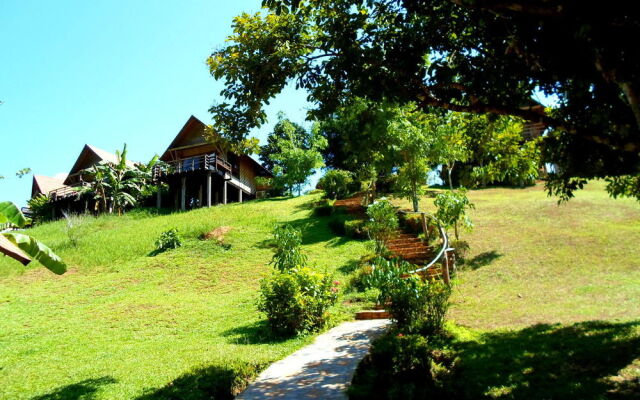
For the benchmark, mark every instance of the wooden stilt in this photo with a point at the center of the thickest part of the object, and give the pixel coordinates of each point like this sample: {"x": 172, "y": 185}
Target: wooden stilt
{"x": 240, "y": 195}
{"x": 183, "y": 194}
{"x": 158, "y": 198}
{"x": 224, "y": 193}
{"x": 209, "y": 189}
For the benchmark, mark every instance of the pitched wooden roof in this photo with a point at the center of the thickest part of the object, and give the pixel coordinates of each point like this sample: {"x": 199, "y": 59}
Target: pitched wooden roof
{"x": 45, "y": 184}
{"x": 190, "y": 135}
{"x": 89, "y": 156}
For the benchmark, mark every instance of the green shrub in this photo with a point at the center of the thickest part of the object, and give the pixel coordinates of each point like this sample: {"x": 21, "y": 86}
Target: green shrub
{"x": 336, "y": 183}
{"x": 223, "y": 382}
{"x": 324, "y": 208}
{"x": 356, "y": 229}
{"x": 288, "y": 255}
{"x": 296, "y": 301}
{"x": 414, "y": 304}
{"x": 360, "y": 278}
{"x": 410, "y": 223}
{"x": 168, "y": 240}
{"x": 337, "y": 224}
{"x": 437, "y": 295}
{"x": 383, "y": 223}
{"x": 41, "y": 208}
{"x": 402, "y": 367}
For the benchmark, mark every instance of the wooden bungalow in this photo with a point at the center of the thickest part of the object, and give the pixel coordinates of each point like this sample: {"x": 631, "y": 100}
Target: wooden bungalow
{"x": 200, "y": 174}
{"x": 45, "y": 184}
{"x": 63, "y": 193}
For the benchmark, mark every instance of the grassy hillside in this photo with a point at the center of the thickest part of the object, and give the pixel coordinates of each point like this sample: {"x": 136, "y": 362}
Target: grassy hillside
{"x": 121, "y": 324}
{"x": 533, "y": 261}
{"x": 548, "y": 303}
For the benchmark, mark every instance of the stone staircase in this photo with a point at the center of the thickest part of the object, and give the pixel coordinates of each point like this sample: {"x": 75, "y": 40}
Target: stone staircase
{"x": 409, "y": 247}
{"x": 406, "y": 246}
{"x": 352, "y": 205}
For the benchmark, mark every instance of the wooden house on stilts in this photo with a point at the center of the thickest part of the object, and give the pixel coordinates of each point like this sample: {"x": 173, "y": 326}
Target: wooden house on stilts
{"x": 201, "y": 174}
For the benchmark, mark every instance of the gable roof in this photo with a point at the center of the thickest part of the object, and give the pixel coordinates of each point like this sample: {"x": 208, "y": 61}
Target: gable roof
{"x": 45, "y": 184}
{"x": 190, "y": 135}
{"x": 89, "y": 156}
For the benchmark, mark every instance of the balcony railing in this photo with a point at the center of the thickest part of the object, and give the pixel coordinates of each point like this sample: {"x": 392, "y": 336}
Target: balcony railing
{"x": 207, "y": 162}
{"x": 64, "y": 192}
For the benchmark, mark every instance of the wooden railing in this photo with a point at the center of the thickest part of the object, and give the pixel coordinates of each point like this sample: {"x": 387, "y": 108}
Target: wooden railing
{"x": 443, "y": 253}
{"x": 64, "y": 192}
{"x": 207, "y": 162}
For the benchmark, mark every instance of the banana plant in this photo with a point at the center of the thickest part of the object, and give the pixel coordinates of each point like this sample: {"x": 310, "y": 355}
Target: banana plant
{"x": 25, "y": 248}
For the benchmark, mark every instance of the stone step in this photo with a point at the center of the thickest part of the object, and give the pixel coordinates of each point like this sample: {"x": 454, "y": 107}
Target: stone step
{"x": 400, "y": 246}
{"x": 372, "y": 314}
{"x": 404, "y": 240}
{"x": 412, "y": 252}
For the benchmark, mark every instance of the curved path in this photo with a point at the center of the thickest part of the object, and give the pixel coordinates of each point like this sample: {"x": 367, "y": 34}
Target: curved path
{"x": 321, "y": 370}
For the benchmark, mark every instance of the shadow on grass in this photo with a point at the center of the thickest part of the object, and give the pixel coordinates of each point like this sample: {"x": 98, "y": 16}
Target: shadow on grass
{"x": 551, "y": 362}
{"x": 307, "y": 205}
{"x": 482, "y": 260}
{"x": 82, "y": 390}
{"x": 349, "y": 267}
{"x": 212, "y": 382}
{"x": 255, "y": 333}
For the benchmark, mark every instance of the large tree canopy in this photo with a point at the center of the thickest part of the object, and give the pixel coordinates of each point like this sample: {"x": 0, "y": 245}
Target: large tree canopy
{"x": 480, "y": 56}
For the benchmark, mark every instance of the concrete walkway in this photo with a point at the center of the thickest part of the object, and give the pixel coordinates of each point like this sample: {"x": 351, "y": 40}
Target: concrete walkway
{"x": 322, "y": 370}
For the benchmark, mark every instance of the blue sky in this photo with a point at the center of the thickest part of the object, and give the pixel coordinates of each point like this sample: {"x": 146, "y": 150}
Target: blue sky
{"x": 106, "y": 73}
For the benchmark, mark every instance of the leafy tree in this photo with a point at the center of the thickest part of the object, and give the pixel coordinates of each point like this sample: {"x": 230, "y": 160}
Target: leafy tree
{"x": 284, "y": 129}
{"x": 452, "y": 207}
{"x": 414, "y": 134}
{"x": 383, "y": 223}
{"x": 357, "y": 136}
{"x": 294, "y": 161}
{"x": 499, "y": 153}
{"x": 451, "y": 143}
{"x": 246, "y": 146}
{"x": 358, "y": 140}
{"x": 24, "y": 248}
{"x": 22, "y": 172}
{"x": 336, "y": 183}
{"x": 467, "y": 56}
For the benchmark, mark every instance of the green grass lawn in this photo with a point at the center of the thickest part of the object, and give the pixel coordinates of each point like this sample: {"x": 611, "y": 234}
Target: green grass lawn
{"x": 548, "y": 302}
{"x": 121, "y": 324}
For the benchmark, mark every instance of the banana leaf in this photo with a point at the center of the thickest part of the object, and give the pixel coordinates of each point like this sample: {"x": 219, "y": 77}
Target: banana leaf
{"x": 9, "y": 249}
{"x": 37, "y": 251}
{"x": 10, "y": 213}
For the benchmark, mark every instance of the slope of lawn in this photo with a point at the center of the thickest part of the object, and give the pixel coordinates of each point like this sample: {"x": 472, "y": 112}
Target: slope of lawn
{"x": 122, "y": 324}
{"x": 547, "y": 304}
{"x": 549, "y": 296}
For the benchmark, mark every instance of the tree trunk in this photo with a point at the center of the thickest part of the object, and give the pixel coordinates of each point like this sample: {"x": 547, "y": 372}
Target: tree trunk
{"x": 455, "y": 229}
{"x": 449, "y": 171}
